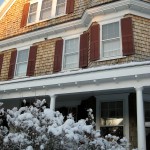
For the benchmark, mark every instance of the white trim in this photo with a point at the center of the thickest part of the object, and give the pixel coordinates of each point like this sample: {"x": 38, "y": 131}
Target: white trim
{"x": 110, "y": 77}
{"x": 69, "y": 38}
{"x": 18, "y": 50}
{"x": 105, "y": 22}
{"x": 119, "y": 8}
{"x": 113, "y": 98}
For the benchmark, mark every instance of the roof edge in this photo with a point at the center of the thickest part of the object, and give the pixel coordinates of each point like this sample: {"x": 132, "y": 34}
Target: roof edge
{"x": 5, "y": 7}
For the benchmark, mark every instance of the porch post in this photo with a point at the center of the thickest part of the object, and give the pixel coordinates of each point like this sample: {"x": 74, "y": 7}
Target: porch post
{"x": 140, "y": 119}
{"x": 52, "y": 102}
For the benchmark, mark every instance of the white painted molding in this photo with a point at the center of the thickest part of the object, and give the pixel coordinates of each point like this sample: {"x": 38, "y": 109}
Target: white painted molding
{"x": 104, "y": 75}
{"x": 135, "y": 7}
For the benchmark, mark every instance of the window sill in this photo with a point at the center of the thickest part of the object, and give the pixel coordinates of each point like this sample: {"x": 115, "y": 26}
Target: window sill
{"x": 111, "y": 58}
{"x": 70, "y": 70}
{"x": 19, "y": 77}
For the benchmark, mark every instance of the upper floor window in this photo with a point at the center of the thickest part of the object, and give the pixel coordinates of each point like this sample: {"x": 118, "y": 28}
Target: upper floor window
{"x": 45, "y": 9}
{"x": 21, "y": 62}
{"x": 111, "y": 45}
{"x": 60, "y": 8}
{"x": 32, "y": 12}
{"x": 71, "y": 53}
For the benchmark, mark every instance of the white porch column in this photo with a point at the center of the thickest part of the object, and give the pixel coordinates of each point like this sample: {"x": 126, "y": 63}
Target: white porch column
{"x": 52, "y": 102}
{"x": 140, "y": 119}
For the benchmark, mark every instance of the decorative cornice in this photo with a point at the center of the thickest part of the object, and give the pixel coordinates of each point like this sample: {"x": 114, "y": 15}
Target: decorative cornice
{"x": 132, "y": 5}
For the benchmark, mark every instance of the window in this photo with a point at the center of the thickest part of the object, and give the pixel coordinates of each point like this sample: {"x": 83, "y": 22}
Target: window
{"x": 112, "y": 118}
{"x": 111, "y": 46}
{"x": 71, "y": 54}
{"x": 21, "y": 62}
{"x": 60, "y": 8}
{"x": 45, "y": 9}
{"x": 32, "y": 12}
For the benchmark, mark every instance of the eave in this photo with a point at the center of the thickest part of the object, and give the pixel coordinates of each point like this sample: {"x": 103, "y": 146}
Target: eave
{"x": 129, "y": 75}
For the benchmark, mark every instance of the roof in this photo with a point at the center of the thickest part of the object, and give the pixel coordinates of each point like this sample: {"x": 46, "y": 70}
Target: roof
{"x": 5, "y": 7}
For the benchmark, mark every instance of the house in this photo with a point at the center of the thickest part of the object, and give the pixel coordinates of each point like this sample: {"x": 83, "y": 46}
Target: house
{"x": 80, "y": 54}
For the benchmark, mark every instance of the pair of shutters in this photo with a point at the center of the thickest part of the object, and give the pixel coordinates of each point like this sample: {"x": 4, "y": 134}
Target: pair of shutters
{"x": 90, "y": 42}
{"x": 69, "y": 9}
{"x": 84, "y": 39}
{"x": 126, "y": 35}
{"x": 31, "y": 62}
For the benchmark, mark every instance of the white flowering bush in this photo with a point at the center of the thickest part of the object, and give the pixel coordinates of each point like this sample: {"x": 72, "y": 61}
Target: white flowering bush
{"x": 39, "y": 128}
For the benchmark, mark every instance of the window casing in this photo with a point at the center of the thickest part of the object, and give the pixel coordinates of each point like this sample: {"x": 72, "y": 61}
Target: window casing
{"x": 21, "y": 62}
{"x": 112, "y": 118}
{"x": 71, "y": 53}
{"x": 45, "y": 9}
{"x": 111, "y": 40}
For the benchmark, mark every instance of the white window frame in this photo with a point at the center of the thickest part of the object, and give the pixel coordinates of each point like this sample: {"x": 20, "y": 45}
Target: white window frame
{"x": 109, "y": 101}
{"x": 69, "y": 38}
{"x": 102, "y": 58}
{"x": 21, "y": 49}
{"x": 38, "y": 12}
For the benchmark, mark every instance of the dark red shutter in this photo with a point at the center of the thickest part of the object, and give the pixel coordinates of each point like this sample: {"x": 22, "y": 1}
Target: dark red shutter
{"x": 25, "y": 15}
{"x": 12, "y": 64}
{"x": 58, "y": 55}
{"x": 31, "y": 60}
{"x": 94, "y": 42}
{"x": 84, "y": 46}
{"x": 127, "y": 36}
{"x": 70, "y": 6}
{"x": 1, "y": 61}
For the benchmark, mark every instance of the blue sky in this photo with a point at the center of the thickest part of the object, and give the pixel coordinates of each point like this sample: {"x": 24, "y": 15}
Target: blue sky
{"x": 1, "y": 1}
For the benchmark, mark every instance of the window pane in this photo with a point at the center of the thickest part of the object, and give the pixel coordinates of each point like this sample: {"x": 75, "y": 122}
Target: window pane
{"x": 71, "y": 45}
{"x": 46, "y": 9}
{"x": 21, "y": 63}
{"x": 71, "y": 53}
{"x": 111, "y": 113}
{"x": 71, "y": 61}
{"x": 22, "y": 56}
{"x": 60, "y": 8}
{"x": 32, "y": 18}
{"x": 33, "y": 7}
{"x": 110, "y": 31}
{"x": 111, "y": 48}
{"x": 32, "y": 13}
{"x": 21, "y": 69}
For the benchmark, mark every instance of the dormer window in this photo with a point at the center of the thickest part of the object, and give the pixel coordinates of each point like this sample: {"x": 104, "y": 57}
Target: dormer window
{"x": 41, "y": 10}
{"x": 45, "y": 9}
{"x": 32, "y": 13}
{"x": 60, "y": 8}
